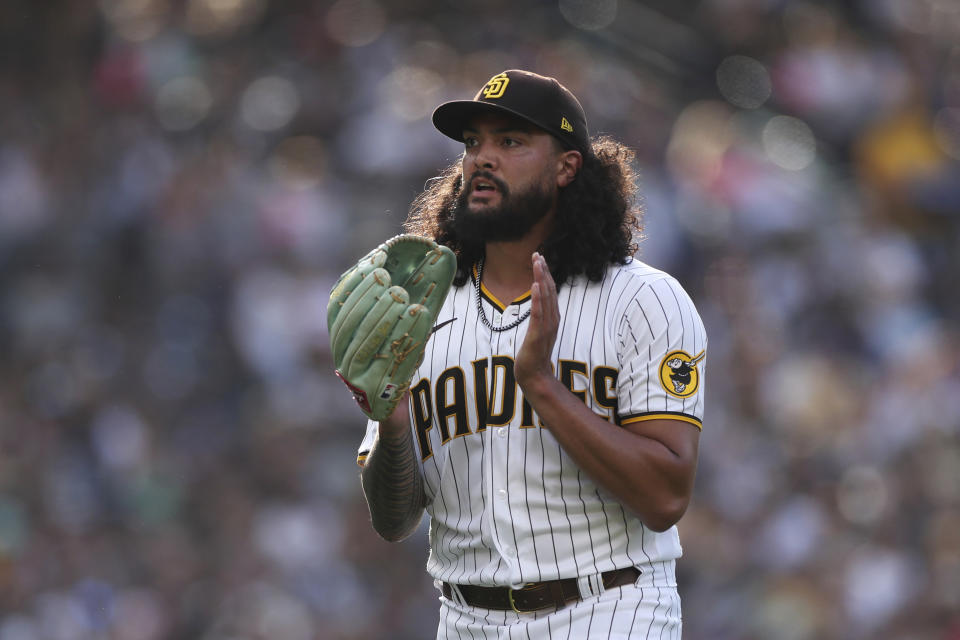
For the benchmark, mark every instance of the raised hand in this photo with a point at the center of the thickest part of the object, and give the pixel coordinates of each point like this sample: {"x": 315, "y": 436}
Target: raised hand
{"x": 533, "y": 361}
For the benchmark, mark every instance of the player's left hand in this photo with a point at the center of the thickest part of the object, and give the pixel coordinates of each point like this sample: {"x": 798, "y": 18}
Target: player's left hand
{"x": 380, "y": 316}
{"x": 534, "y": 358}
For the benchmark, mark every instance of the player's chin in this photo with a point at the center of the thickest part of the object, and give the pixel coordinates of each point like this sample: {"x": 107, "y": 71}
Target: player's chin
{"x": 483, "y": 200}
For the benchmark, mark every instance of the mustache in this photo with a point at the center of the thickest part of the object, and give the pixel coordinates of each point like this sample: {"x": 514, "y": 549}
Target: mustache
{"x": 486, "y": 175}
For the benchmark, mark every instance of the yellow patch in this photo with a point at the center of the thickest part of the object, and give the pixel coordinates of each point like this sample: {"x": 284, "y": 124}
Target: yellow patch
{"x": 496, "y": 87}
{"x": 566, "y": 126}
{"x": 679, "y": 374}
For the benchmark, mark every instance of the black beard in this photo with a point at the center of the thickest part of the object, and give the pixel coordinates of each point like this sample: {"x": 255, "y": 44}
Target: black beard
{"x": 512, "y": 220}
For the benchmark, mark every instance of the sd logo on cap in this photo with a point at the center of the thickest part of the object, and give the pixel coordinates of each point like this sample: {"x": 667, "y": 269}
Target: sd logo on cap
{"x": 537, "y": 99}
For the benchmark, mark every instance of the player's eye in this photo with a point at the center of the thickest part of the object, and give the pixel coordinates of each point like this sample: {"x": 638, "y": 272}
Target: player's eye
{"x": 470, "y": 141}
{"x": 511, "y": 142}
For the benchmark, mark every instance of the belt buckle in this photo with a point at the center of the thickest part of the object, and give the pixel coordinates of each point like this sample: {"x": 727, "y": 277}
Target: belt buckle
{"x": 513, "y": 605}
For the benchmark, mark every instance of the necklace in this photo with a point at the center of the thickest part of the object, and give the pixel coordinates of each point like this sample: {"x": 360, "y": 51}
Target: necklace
{"x": 483, "y": 316}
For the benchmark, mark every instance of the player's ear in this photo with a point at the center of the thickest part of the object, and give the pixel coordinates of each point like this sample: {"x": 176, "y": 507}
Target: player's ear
{"x": 568, "y": 166}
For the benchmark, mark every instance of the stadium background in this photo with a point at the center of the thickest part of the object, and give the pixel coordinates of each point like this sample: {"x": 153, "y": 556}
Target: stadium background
{"x": 182, "y": 181}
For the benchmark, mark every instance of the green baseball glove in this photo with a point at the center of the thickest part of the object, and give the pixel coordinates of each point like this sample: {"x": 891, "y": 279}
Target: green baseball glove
{"x": 380, "y": 315}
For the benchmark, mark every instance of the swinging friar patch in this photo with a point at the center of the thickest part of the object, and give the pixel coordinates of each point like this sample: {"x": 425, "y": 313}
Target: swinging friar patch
{"x": 679, "y": 374}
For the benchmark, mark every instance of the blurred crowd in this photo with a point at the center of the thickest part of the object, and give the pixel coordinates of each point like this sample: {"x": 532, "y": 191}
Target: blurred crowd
{"x": 182, "y": 182}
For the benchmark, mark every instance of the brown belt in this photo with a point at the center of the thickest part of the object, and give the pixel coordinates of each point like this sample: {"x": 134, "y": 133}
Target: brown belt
{"x": 535, "y": 595}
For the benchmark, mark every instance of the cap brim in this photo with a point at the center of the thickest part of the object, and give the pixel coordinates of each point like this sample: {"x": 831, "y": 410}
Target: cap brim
{"x": 451, "y": 118}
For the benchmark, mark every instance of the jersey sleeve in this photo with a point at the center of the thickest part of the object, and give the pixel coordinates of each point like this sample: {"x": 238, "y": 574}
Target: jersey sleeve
{"x": 367, "y": 442}
{"x": 662, "y": 353}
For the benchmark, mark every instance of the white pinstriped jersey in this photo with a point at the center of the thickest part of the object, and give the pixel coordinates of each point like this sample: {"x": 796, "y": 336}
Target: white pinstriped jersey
{"x": 507, "y": 504}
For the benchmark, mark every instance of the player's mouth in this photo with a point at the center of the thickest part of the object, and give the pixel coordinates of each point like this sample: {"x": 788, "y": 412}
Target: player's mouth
{"x": 484, "y": 187}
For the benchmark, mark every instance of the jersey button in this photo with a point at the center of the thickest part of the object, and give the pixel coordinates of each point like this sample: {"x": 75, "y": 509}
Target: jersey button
{"x": 502, "y": 432}
{"x": 502, "y": 493}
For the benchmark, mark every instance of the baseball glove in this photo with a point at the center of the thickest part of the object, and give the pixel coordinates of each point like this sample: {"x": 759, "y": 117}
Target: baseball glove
{"x": 380, "y": 315}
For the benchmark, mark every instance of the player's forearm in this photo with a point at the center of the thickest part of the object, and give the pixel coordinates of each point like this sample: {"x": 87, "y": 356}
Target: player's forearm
{"x": 392, "y": 484}
{"x": 647, "y": 476}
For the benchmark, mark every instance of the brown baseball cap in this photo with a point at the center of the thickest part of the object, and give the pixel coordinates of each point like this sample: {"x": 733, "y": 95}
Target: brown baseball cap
{"x": 537, "y": 99}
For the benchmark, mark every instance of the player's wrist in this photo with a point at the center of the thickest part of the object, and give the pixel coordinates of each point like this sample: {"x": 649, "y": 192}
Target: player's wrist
{"x": 397, "y": 423}
{"x": 538, "y": 384}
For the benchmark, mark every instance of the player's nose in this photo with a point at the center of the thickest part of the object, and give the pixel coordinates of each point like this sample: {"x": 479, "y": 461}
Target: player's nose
{"x": 486, "y": 156}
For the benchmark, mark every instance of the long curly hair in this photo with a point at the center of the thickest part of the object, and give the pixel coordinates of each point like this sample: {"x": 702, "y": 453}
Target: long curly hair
{"x": 598, "y": 219}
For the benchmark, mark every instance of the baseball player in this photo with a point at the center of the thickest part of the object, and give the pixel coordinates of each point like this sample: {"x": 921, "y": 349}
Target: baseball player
{"x": 551, "y": 430}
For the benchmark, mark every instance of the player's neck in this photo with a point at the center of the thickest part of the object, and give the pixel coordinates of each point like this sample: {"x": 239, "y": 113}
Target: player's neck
{"x": 507, "y": 266}
{"x": 507, "y": 269}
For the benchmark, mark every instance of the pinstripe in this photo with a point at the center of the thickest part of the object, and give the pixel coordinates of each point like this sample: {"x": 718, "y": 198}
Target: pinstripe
{"x": 483, "y": 463}
{"x": 452, "y": 348}
{"x": 456, "y": 537}
{"x": 580, "y": 475}
{"x": 443, "y": 547}
{"x": 546, "y": 509}
{"x": 663, "y": 627}
{"x": 489, "y": 466}
{"x": 596, "y": 317}
{"x": 636, "y": 347}
{"x": 649, "y": 348}
{"x": 459, "y": 636}
{"x": 463, "y": 536}
{"x": 666, "y": 320}
{"x": 628, "y": 537}
{"x": 459, "y": 617}
{"x": 593, "y": 610}
{"x": 593, "y": 552}
{"x": 526, "y": 499}
{"x": 507, "y": 501}
{"x": 674, "y": 606}
{"x": 436, "y": 466}
{"x": 576, "y": 341}
{"x": 658, "y": 602}
{"x": 613, "y": 617}
{"x": 561, "y": 455}
{"x": 566, "y": 503}
{"x": 606, "y": 518}
{"x": 683, "y": 327}
{"x": 527, "y": 452}
{"x": 513, "y": 529}
{"x": 633, "y": 620}
{"x": 643, "y": 543}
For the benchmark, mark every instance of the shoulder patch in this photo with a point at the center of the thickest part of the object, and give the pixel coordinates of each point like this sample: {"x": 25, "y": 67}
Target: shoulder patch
{"x": 679, "y": 374}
